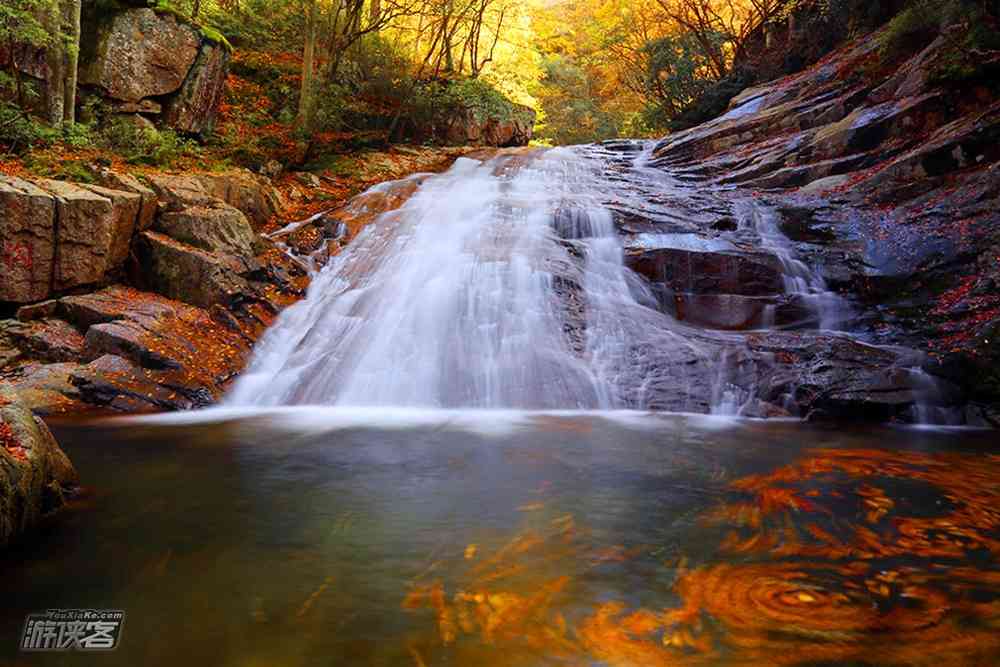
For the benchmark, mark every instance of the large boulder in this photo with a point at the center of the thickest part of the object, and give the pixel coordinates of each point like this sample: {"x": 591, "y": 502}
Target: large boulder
{"x": 254, "y": 196}
{"x": 89, "y": 231}
{"x": 34, "y": 473}
{"x": 185, "y": 273}
{"x": 470, "y": 127}
{"x": 141, "y": 53}
{"x": 218, "y": 228}
{"x": 27, "y": 219}
{"x": 152, "y": 64}
{"x": 515, "y": 130}
{"x": 194, "y": 108}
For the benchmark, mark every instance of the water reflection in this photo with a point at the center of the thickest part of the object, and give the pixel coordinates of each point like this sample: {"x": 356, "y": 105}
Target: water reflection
{"x": 524, "y": 539}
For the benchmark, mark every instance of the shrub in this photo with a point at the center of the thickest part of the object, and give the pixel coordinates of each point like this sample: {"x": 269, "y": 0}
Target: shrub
{"x": 912, "y": 29}
{"x": 144, "y": 145}
{"x": 19, "y": 132}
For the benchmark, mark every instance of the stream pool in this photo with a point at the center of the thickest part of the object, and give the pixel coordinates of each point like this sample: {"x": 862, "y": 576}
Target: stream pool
{"x": 307, "y": 536}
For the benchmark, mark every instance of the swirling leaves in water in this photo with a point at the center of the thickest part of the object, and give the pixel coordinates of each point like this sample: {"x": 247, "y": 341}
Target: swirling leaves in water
{"x": 855, "y": 555}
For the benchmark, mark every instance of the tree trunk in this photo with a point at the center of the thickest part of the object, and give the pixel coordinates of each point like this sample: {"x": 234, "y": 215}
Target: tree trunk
{"x": 72, "y": 62}
{"x": 375, "y": 13}
{"x": 55, "y": 85}
{"x": 449, "y": 59}
{"x": 307, "y": 93}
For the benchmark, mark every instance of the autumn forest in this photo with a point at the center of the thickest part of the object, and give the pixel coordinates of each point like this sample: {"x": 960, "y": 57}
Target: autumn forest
{"x": 500, "y": 332}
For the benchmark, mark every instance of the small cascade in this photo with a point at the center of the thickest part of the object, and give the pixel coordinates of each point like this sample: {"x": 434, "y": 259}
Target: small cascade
{"x": 497, "y": 284}
{"x": 569, "y": 278}
{"x": 831, "y": 310}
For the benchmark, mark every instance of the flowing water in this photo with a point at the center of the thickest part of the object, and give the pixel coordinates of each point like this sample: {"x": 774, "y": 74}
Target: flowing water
{"x": 449, "y": 302}
{"x": 503, "y": 284}
{"x": 438, "y": 458}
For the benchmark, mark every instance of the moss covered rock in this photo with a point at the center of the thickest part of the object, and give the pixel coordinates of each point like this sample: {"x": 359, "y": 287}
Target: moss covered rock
{"x": 35, "y": 474}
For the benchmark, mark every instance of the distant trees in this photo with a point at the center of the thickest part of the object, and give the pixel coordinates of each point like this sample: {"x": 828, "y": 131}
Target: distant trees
{"x": 447, "y": 37}
{"x": 451, "y": 25}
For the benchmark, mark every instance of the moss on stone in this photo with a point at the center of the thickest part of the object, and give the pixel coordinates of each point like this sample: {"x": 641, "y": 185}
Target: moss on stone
{"x": 207, "y": 33}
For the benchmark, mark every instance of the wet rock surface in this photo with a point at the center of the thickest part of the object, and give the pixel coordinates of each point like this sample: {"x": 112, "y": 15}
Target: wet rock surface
{"x": 772, "y": 290}
{"x": 884, "y": 183}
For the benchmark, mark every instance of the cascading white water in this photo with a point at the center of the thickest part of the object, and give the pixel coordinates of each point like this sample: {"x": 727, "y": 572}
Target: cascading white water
{"x": 504, "y": 284}
{"x": 498, "y": 284}
{"x": 831, "y": 310}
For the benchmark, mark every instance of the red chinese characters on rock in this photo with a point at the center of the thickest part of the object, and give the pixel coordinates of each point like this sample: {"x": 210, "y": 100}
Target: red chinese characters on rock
{"x": 17, "y": 255}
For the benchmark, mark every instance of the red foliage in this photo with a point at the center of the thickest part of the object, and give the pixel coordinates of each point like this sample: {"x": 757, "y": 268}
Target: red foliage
{"x": 10, "y": 443}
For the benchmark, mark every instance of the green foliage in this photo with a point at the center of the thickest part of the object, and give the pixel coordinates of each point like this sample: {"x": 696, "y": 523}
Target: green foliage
{"x": 712, "y": 103}
{"x": 208, "y": 31}
{"x": 571, "y": 112}
{"x": 143, "y": 145}
{"x": 215, "y": 36}
{"x": 679, "y": 75}
{"x": 484, "y": 100}
{"x": 373, "y": 84}
{"x": 78, "y": 135}
{"x": 76, "y": 171}
{"x": 257, "y": 24}
{"x": 970, "y": 32}
{"x": 20, "y": 22}
{"x": 964, "y": 57}
{"x": 912, "y": 29}
{"x": 19, "y": 132}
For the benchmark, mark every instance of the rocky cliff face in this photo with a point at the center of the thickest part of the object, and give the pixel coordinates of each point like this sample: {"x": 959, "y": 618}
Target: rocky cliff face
{"x": 203, "y": 285}
{"x": 885, "y": 177}
{"x": 149, "y": 65}
{"x": 153, "y": 64}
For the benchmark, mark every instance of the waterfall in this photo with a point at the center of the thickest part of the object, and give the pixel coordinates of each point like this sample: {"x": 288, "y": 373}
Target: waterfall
{"x": 498, "y": 284}
{"x": 503, "y": 283}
